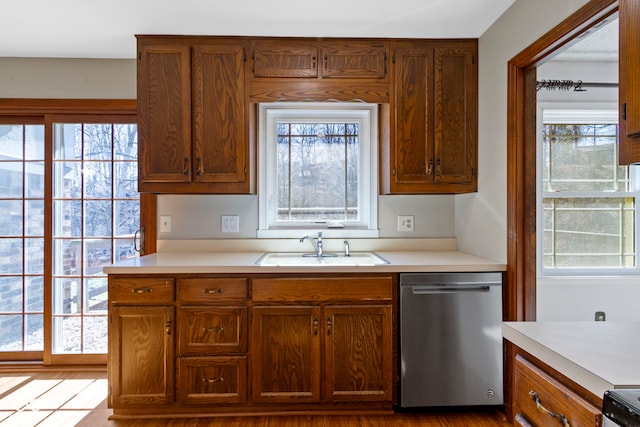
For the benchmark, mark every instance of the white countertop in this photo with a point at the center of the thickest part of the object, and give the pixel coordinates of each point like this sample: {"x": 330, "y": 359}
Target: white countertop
{"x": 245, "y": 262}
{"x": 597, "y": 355}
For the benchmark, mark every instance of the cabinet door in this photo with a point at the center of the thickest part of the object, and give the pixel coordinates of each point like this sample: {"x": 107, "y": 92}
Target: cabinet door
{"x": 211, "y": 330}
{"x": 354, "y": 60}
{"x": 286, "y": 354}
{"x": 278, "y": 58}
{"x": 210, "y": 380}
{"x": 141, "y": 356}
{"x": 164, "y": 113}
{"x": 411, "y": 153}
{"x": 629, "y": 80}
{"x": 358, "y": 353}
{"x": 220, "y": 144}
{"x": 455, "y": 127}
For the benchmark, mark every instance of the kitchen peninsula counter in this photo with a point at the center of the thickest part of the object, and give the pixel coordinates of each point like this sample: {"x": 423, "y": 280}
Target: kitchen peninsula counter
{"x": 599, "y": 356}
{"x": 245, "y": 263}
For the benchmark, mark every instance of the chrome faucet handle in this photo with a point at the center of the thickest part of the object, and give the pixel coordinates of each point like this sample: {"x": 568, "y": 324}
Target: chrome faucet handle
{"x": 346, "y": 248}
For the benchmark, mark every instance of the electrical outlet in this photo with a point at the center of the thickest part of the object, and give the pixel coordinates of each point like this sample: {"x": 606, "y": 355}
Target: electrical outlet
{"x": 405, "y": 222}
{"x": 165, "y": 223}
{"x": 230, "y": 224}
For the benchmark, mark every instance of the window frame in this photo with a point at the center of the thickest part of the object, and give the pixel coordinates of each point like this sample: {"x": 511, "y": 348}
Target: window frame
{"x": 581, "y": 113}
{"x": 268, "y": 116}
{"x": 43, "y": 111}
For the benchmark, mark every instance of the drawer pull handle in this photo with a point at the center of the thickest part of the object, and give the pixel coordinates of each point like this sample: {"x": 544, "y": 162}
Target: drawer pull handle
{"x": 559, "y": 417}
{"x": 213, "y": 291}
{"x": 213, "y": 380}
{"x": 142, "y": 290}
{"x": 213, "y": 329}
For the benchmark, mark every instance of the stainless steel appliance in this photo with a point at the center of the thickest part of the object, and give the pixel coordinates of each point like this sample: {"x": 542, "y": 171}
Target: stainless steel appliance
{"x": 450, "y": 339}
{"x": 621, "y": 408}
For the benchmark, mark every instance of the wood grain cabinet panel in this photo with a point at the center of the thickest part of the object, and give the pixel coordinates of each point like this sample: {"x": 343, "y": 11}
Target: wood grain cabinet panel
{"x": 433, "y": 143}
{"x": 540, "y": 400}
{"x": 629, "y": 81}
{"x": 141, "y": 356}
{"x": 357, "y": 359}
{"x": 212, "y": 330}
{"x": 286, "y": 354}
{"x": 193, "y": 118}
{"x": 212, "y": 380}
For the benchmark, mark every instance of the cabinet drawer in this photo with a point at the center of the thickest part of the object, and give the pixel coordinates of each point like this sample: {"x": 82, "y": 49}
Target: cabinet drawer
{"x": 315, "y": 289}
{"x": 543, "y": 401}
{"x": 212, "y": 290}
{"x": 205, "y": 330}
{"x": 207, "y": 380}
{"x": 141, "y": 290}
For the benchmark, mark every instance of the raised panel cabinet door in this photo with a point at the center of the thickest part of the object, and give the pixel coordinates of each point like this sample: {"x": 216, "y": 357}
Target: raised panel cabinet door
{"x": 211, "y": 380}
{"x": 629, "y": 80}
{"x": 285, "y": 354}
{"x": 220, "y": 143}
{"x": 141, "y": 356}
{"x": 358, "y": 353}
{"x": 411, "y": 153}
{"x": 354, "y": 60}
{"x": 455, "y": 104}
{"x": 284, "y": 59}
{"x": 211, "y": 330}
{"x": 164, "y": 113}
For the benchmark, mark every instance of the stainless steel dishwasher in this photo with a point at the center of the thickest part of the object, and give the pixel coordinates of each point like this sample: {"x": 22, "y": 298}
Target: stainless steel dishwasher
{"x": 450, "y": 339}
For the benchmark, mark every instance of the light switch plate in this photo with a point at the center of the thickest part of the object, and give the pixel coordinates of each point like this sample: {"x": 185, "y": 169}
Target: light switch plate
{"x": 230, "y": 224}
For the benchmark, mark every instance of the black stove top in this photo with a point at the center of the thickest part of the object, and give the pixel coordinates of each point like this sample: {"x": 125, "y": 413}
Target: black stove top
{"x": 622, "y": 406}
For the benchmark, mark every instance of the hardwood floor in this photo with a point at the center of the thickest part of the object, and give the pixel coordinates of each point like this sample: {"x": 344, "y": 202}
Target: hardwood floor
{"x": 64, "y": 399}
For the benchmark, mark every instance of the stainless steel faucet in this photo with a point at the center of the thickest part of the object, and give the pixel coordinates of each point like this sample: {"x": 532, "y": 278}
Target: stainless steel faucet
{"x": 317, "y": 245}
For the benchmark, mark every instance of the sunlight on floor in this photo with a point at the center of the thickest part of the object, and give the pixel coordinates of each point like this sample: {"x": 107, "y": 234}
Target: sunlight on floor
{"x": 29, "y": 401}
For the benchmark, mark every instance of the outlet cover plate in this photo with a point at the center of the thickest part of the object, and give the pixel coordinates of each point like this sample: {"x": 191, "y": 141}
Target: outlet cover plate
{"x": 405, "y": 223}
{"x": 230, "y": 223}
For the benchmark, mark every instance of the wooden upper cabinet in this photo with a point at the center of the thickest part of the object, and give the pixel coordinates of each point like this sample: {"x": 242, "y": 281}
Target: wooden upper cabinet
{"x": 629, "y": 80}
{"x": 220, "y": 144}
{"x": 345, "y": 59}
{"x": 280, "y": 59}
{"x": 354, "y": 60}
{"x": 193, "y": 118}
{"x": 433, "y": 142}
{"x": 164, "y": 113}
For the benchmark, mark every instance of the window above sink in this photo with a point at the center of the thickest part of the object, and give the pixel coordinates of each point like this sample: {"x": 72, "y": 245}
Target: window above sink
{"x": 318, "y": 169}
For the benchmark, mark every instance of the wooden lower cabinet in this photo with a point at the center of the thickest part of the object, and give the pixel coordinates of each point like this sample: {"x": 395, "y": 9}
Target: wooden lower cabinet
{"x": 541, "y": 399}
{"x": 141, "y": 356}
{"x": 198, "y": 345}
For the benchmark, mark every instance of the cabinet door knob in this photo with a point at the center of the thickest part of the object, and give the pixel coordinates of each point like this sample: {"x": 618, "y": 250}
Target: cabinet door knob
{"x": 198, "y": 166}
{"x": 329, "y": 324}
{"x": 315, "y": 326}
{"x": 430, "y": 168}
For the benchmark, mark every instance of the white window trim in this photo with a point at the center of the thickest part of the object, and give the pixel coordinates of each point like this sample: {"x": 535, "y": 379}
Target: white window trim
{"x": 367, "y": 114}
{"x": 591, "y": 113}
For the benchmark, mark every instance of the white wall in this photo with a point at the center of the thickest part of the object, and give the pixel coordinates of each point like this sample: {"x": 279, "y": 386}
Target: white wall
{"x": 481, "y": 218}
{"x": 67, "y": 78}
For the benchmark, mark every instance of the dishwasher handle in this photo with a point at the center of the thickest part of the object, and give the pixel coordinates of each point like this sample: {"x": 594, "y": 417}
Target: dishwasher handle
{"x": 425, "y": 290}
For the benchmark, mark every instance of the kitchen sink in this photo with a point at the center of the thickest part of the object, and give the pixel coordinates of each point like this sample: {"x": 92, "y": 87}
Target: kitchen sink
{"x": 297, "y": 259}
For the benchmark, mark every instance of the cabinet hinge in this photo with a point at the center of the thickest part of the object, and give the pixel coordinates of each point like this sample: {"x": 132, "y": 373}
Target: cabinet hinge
{"x": 245, "y": 170}
{"x": 244, "y": 55}
{"x": 473, "y": 59}
{"x": 624, "y": 111}
{"x": 393, "y": 59}
{"x": 140, "y": 56}
{"x": 473, "y": 171}
{"x": 393, "y": 172}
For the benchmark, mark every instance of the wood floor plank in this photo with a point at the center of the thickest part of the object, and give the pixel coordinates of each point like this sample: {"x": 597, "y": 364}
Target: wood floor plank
{"x": 88, "y": 408}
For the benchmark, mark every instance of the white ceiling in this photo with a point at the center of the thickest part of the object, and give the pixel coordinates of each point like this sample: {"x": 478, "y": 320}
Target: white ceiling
{"x": 106, "y": 28}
